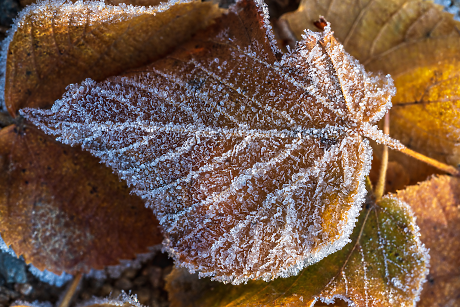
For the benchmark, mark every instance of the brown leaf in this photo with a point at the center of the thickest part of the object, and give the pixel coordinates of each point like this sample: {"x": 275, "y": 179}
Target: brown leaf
{"x": 255, "y": 167}
{"x": 436, "y": 204}
{"x": 55, "y": 44}
{"x": 63, "y": 210}
{"x": 419, "y": 45}
{"x": 384, "y": 265}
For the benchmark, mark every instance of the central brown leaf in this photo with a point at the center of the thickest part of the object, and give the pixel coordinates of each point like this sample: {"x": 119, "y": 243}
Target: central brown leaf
{"x": 253, "y": 162}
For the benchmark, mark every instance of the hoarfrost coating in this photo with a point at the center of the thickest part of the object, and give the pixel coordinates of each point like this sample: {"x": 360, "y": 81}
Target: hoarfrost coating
{"x": 254, "y": 166}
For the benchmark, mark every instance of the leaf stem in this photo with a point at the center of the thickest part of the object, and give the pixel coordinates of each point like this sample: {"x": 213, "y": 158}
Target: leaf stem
{"x": 385, "y": 139}
{"x": 439, "y": 165}
{"x": 71, "y": 291}
{"x": 380, "y": 187}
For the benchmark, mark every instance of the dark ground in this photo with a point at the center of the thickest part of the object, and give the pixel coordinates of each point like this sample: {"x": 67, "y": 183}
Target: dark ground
{"x": 146, "y": 281}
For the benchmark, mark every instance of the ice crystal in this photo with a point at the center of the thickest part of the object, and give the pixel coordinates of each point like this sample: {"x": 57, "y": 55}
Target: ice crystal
{"x": 45, "y": 276}
{"x": 6, "y": 249}
{"x": 115, "y": 271}
{"x": 253, "y": 166}
{"x": 50, "y": 277}
{"x": 122, "y": 300}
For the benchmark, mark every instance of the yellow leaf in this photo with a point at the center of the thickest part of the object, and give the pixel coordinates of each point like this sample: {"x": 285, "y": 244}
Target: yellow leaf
{"x": 55, "y": 44}
{"x": 419, "y": 45}
{"x": 384, "y": 265}
{"x": 436, "y": 204}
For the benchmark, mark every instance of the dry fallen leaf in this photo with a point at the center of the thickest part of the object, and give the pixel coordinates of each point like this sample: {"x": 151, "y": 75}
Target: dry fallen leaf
{"x": 384, "y": 265}
{"x": 254, "y": 166}
{"x": 56, "y": 43}
{"x": 64, "y": 211}
{"x": 436, "y": 204}
{"x": 419, "y": 45}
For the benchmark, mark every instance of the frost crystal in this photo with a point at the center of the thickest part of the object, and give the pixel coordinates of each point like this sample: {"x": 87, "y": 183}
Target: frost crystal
{"x": 50, "y": 277}
{"x": 122, "y": 300}
{"x": 33, "y": 304}
{"x": 254, "y": 167}
{"x": 115, "y": 271}
{"x": 6, "y": 249}
{"x": 44, "y": 276}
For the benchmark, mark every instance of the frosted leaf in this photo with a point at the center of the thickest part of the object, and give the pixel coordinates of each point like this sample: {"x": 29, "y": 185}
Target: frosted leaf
{"x": 54, "y": 199}
{"x": 253, "y": 166}
{"x": 385, "y": 264}
{"x": 418, "y": 44}
{"x": 436, "y": 203}
{"x": 45, "y": 276}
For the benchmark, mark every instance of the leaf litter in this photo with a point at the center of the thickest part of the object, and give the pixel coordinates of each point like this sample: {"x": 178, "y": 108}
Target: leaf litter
{"x": 254, "y": 162}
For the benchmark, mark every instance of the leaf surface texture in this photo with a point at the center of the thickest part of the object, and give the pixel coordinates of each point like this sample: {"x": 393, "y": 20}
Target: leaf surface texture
{"x": 64, "y": 211}
{"x": 254, "y": 163}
